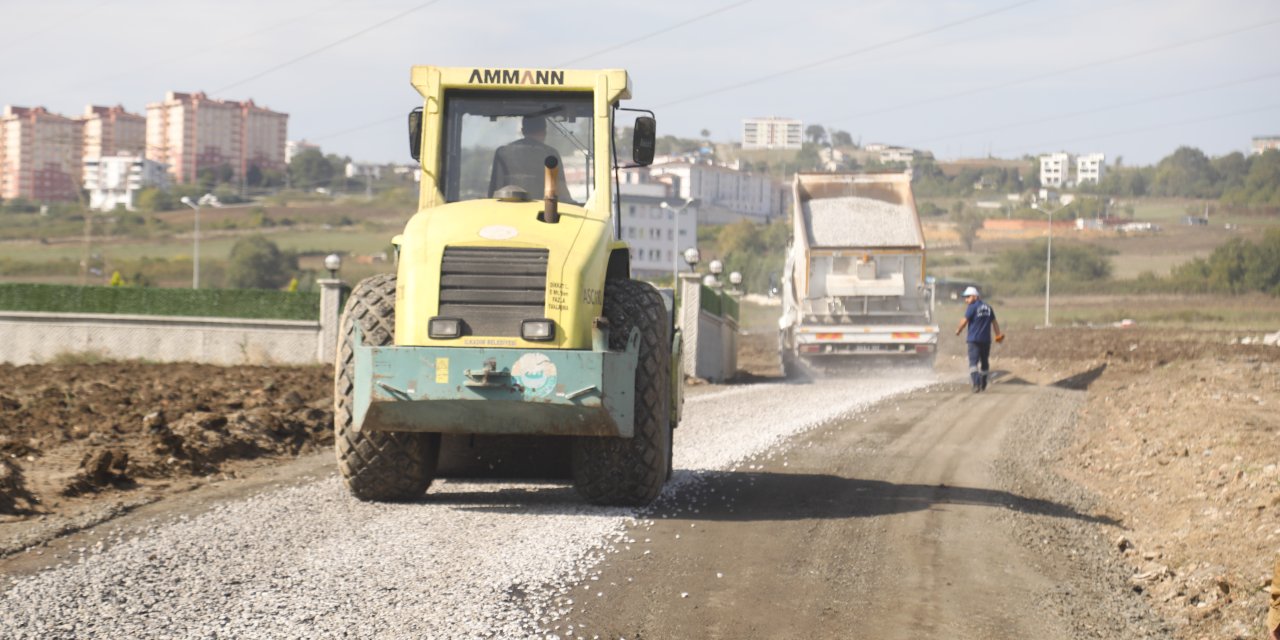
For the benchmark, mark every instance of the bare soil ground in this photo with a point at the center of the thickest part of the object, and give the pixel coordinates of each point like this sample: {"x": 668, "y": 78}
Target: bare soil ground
{"x": 1176, "y": 441}
{"x": 1180, "y": 440}
{"x": 83, "y": 443}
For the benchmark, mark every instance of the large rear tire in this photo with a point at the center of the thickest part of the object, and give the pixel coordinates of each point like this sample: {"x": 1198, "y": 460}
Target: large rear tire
{"x": 376, "y": 465}
{"x": 631, "y": 471}
{"x": 787, "y": 357}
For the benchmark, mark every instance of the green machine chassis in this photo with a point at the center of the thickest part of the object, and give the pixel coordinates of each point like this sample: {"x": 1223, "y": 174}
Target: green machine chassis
{"x": 488, "y": 391}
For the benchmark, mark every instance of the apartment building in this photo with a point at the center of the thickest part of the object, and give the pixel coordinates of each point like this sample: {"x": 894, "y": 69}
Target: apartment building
{"x": 192, "y": 132}
{"x": 110, "y": 131}
{"x": 725, "y": 194}
{"x": 772, "y": 133}
{"x": 1089, "y": 168}
{"x": 1054, "y": 169}
{"x": 657, "y": 235}
{"x": 40, "y": 154}
{"x": 264, "y": 133}
{"x": 1263, "y": 143}
{"x": 114, "y": 181}
{"x": 898, "y": 155}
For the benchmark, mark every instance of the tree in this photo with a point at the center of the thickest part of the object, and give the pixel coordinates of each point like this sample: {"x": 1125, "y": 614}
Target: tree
{"x": 310, "y": 169}
{"x": 210, "y": 177}
{"x": 152, "y": 200}
{"x": 1075, "y": 266}
{"x": 1187, "y": 173}
{"x": 257, "y": 263}
{"x": 1033, "y": 176}
{"x": 807, "y": 159}
{"x": 1260, "y": 187}
{"x": 816, "y": 133}
{"x": 706, "y": 133}
{"x": 841, "y": 138}
{"x": 967, "y": 224}
{"x": 755, "y": 250}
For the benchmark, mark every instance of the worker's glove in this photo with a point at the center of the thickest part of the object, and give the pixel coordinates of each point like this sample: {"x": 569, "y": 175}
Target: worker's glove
{"x": 1000, "y": 337}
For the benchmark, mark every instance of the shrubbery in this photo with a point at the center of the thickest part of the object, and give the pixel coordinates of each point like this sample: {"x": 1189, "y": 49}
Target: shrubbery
{"x": 1235, "y": 267}
{"x": 222, "y": 303}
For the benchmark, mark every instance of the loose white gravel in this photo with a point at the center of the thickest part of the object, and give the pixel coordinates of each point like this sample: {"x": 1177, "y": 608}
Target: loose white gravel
{"x": 860, "y": 222}
{"x": 473, "y": 560}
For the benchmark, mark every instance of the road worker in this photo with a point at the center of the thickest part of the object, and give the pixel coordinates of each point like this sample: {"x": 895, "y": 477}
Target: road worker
{"x": 980, "y": 318}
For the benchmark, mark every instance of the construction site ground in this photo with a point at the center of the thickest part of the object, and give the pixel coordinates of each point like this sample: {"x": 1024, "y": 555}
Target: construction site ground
{"x": 1130, "y": 472}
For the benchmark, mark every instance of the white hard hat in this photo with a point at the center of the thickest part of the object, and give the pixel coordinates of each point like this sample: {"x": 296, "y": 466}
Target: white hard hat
{"x": 970, "y": 291}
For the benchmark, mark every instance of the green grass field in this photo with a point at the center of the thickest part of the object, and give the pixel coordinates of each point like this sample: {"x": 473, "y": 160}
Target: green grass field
{"x": 1237, "y": 313}
{"x": 215, "y": 245}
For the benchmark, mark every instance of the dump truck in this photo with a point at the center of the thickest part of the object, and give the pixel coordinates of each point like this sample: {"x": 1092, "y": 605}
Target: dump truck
{"x": 854, "y": 291}
{"x": 512, "y": 311}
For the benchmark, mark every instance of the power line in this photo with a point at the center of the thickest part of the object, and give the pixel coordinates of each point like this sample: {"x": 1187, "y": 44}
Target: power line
{"x": 1125, "y": 132}
{"x": 652, "y": 34}
{"x": 357, "y": 128}
{"x": 327, "y": 46}
{"x": 224, "y": 44}
{"x": 655, "y": 33}
{"x": 1072, "y": 69}
{"x": 60, "y": 23}
{"x": 850, "y": 54}
{"x": 1084, "y": 112}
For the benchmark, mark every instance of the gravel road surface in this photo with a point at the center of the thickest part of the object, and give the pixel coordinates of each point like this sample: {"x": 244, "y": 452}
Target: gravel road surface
{"x": 936, "y": 515}
{"x": 472, "y": 559}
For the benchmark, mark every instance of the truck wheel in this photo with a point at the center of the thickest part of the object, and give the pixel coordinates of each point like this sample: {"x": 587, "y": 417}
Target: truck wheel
{"x": 376, "y": 465}
{"x": 787, "y": 357}
{"x": 631, "y": 471}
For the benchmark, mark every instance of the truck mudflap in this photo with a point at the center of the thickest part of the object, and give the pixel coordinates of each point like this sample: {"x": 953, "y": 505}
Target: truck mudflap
{"x": 866, "y": 341}
{"x": 467, "y": 390}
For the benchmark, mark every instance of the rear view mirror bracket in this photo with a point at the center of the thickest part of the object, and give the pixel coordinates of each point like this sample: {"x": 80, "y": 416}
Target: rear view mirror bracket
{"x": 644, "y": 139}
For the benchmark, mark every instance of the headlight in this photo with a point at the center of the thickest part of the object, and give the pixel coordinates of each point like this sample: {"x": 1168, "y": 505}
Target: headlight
{"x": 444, "y": 328}
{"x": 540, "y": 330}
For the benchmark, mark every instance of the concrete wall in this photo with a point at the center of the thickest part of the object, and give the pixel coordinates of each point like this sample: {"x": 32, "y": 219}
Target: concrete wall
{"x": 31, "y": 337}
{"x": 710, "y": 341}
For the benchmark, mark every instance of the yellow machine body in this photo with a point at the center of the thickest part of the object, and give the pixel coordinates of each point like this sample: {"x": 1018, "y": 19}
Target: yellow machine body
{"x": 578, "y": 246}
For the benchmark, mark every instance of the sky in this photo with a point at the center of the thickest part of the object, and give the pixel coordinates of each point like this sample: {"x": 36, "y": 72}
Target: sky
{"x": 1133, "y": 79}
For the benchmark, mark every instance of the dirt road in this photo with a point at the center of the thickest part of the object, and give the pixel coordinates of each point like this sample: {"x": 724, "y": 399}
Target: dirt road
{"x": 898, "y": 524}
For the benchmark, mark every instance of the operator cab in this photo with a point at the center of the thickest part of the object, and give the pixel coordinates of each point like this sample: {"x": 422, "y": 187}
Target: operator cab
{"x": 499, "y": 143}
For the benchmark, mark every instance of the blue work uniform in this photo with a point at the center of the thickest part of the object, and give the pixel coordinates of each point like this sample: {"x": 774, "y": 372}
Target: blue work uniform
{"x": 980, "y": 315}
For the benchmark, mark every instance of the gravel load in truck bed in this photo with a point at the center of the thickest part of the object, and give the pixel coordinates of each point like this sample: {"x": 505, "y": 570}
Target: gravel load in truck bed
{"x": 860, "y": 222}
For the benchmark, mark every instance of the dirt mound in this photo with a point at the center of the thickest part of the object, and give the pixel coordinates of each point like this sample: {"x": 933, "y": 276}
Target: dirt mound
{"x": 78, "y": 430}
{"x": 1178, "y": 439}
{"x": 1120, "y": 345}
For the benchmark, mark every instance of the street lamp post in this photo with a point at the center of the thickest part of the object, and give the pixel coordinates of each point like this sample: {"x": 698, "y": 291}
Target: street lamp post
{"x": 675, "y": 234}
{"x": 205, "y": 199}
{"x": 1048, "y": 259}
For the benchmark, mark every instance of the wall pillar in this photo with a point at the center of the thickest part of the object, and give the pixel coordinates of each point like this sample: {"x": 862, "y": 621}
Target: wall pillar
{"x": 331, "y": 290}
{"x": 690, "y": 308}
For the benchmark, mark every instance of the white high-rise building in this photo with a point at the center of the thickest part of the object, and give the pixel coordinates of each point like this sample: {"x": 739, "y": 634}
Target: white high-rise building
{"x": 1089, "y": 168}
{"x": 657, "y": 235}
{"x": 725, "y": 194}
{"x": 772, "y": 133}
{"x": 1054, "y": 169}
{"x": 114, "y": 181}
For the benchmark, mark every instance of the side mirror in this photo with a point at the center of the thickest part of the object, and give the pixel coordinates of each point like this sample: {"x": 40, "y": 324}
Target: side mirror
{"x": 415, "y": 133}
{"x": 645, "y": 141}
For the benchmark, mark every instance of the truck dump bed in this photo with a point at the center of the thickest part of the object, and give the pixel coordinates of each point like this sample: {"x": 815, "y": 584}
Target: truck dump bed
{"x": 858, "y": 211}
{"x": 854, "y": 283}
